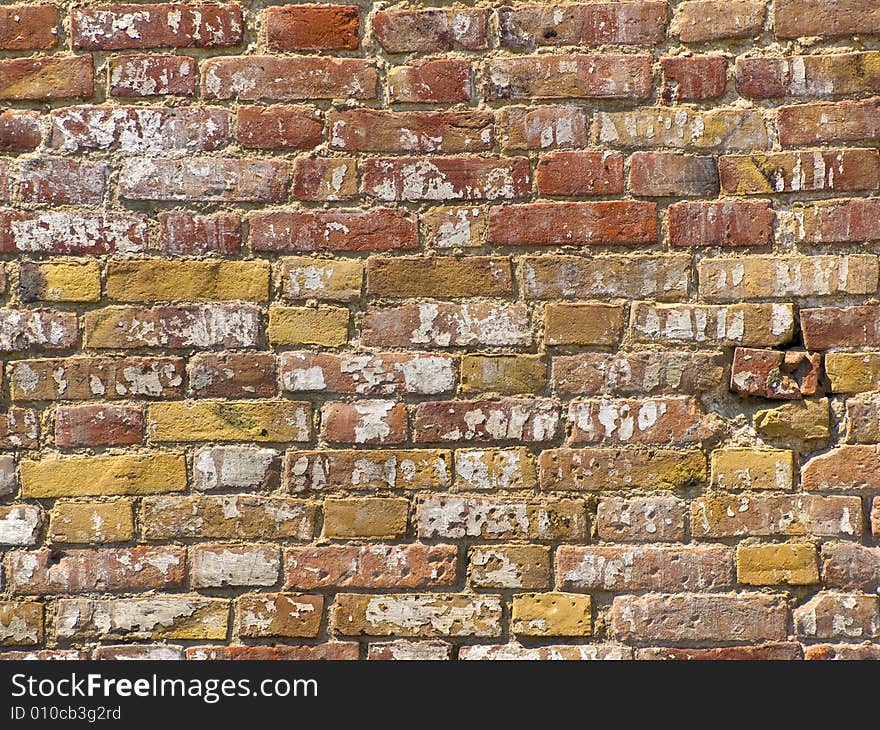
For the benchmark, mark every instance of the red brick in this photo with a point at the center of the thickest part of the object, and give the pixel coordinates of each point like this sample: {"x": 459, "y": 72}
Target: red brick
{"x": 164, "y": 652}
{"x": 693, "y": 78}
{"x": 843, "y": 469}
{"x": 279, "y": 127}
{"x": 325, "y": 178}
{"x": 331, "y": 650}
{"x": 63, "y": 232}
{"x": 447, "y": 324}
{"x": 850, "y": 566}
{"x": 580, "y": 173}
{"x": 28, "y": 27}
{"x": 642, "y": 519}
{"x": 373, "y": 566}
{"x": 19, "y": 130}
{"x": 62, "y": 181}
{"x": 548, "y": 224}
{"x": 446, "y": 178}
{"x": 312, "y": 27}
{"x": 46, "y": 78}
{"x": 842, "y": 652}
{"x": 204, "y": 179}
{"x": 141, "y": 76}
{"x": 584, "y": 24}
{"x": 378, "y": 229}
{"x": 250, "y": 78}
{"x": 844, "y": 616}
{"x": 650, "y": 421}
{"x": 672, "y": 174}
{"x": 696, "y": 21}
{"x": 544, "y": 127}
{"x": 728, "y": 223}
{"x": 644, "y": 568}
{"x": 185, "y": 234}
{"x": 760, "y": 652}
{"x": 604, "y": 76}
{"x": 167, "y": 25}
{"x": 19, "y": 428}
{"x": 139, "y": 568}
{"x": 774, "y": 374}
{"x": 378, "y": 130}
{"x": 404, "y": 650}
{"x": 37, "y": 329}
{"x": 807, "y": 76}
{"x": 486, "y": 421}
{"x": 838, "y": 221}
{"x": 842, "y": 121}
{"x": 827, "y": 327}
{"x": 232, "y": 375}
{"x": 139, "y": 129}
{"x": 434, "y": 29}
{"x": 371, "y": 422}
{"x": 99, "y": 425}
{"x": 795, "y": 18}
{"x": 439, "y": 81}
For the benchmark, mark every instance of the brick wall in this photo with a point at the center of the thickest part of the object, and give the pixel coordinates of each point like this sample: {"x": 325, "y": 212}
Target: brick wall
{"x": 339, "y": 331}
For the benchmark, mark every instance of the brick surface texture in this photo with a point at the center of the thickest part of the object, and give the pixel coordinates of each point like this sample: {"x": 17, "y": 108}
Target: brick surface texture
{"x": 433, "y": 330}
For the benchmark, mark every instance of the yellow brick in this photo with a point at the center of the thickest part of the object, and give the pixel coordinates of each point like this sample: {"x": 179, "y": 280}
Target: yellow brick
{"x": 338, "y": 280}
{"x": 365, "y": 518}
{"x": 787, "y": 563}
{"x": 438, "y": 276}
{"x": 853, "y": 372}
{"x": 92, "y": 522}
{"x": 61, "y": 281}
{"x": 505, "y": 374}
{"x": 583, "y": 323}
{"x": 21, "y": 624}
{"x": 806, "y": 420}
{"x": 324, "y": 326}
{"x": 752, "y": 468}
{"x": 229, "y": 421}
{"x": 552, "y": 614}
{"x": 189, "y": 281}
{"x": 76, "y": 476}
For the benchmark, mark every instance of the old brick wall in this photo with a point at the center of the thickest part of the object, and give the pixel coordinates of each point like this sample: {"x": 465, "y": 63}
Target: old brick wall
{"x": 472, "y": 331}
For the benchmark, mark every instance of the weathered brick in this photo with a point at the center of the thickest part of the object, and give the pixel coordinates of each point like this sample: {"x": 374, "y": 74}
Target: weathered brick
{"x": 19, "y": 428}
{"x": 593, "y": 469}
{"x": 495, "y": 518}
{"x": 28, "y": 28}
{"x": 308, "y": 278}
{"x": 601, "y": 76}
{"x": 830, "y": 615}
{"x": 98, "y": 425}
{"x": 727, "y": 223}
{"x": 81, "y": 476}
{"x": 794, "y": 18}
{"x": 665, "y": 174}
{"x": 808, "y": 76}
{"x": 843, "y": 469}
{"x": 237, "y": 467}
{"x": 367, "y": 469}
{"x": 653, "y": 372}
{"x": 690, "y": 617}
{"x": 61, "y": 181}
{"x": 325, "y": 179}
{"x": 583, "y": 24}
{"x": 778, "y": 564}
{"x": 279, "y": 614}
{"x": 378, "y": 229}
{"x": 438, "y": 81}
{"x": 92, "y": 522}
{"x": 827, "y": 327}
{"x": 404, "y": 650}
{"x": 159, "y": 652}
{"x": 640, "y": 568}
{"x": 504, "y": 374}
{"x": 375, "y": 518}
{"x": 218, "y": 566}
{"x": 842, "y": 652}
{"x": 544, "y": 127}
{"x": 850, "y": 566}
{"x": 227, "y": 517}
{"x": 174, "y": 327}
{"x": 673, "y": 421}
{"x": 232, "y": 375}
{"x": 560, "y": 652}
{"x": 805, "y": 420}
{"x": 551, "y": 614}
{"x": 843, "y": 121}
{"x": 46, "y": 78}
{"x": 312, "y": 27}
{"x": 330, "y": 650}
{"x": 693, "y": 78}
{"x": 852, "y": 372}
{"x": 60, "y": 281}
{"x": 45, "y": 571}
{"x": 44, "y": 655}
{"x": 642, "y": 519}
{"x": 414, "y": 614}
{"x": 512, "y": 468}
{"x": 169, "y": 25}
{"x": 37, "y": 329}
{"x": 87, "y": 378}
{"x": 279, "y": 78}
{"x": 761, "y": 652}
{"x": 184, "y": 234}
{"x": 836, "y": 221}
{"x": 583, "y": 323}
{"x": 229, "y": 421}
{"x": 8, "y": 475}
{"x": 157, "y": 617}
{"x": 595, "y": 223}
{"x": 577, "y": 277}
{"x": 324, "y": 326}
{"x": 376, "y": 130}
{"x": 152, "y": 75}
{"x": 431, "y": 29}
{"x": 63, "y": 232}
{"x": 509, "y": 566}
{"x": 439, "y": 276}
{"x": 862, "y": 421}
{"x": 735, "y": 324}
{"x": 19, "y": 524}
{"x": 21, "y": 623}
{"x": 696, "y": 21}
{"x": 373, "y": 566}
{"x": 740, "y": 468}
{"x": 765, "y": 515}
{"x": 580, "y": 173}
{"x": 279, "y": 127}
{"x": 370, "y": 422}
{"x": 19, "y": 130}
{"x": 486, "y": 421}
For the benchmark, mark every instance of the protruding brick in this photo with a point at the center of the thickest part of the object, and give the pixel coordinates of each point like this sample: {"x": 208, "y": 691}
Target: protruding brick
{"x": 19, "y": 130}
{"x": 842, "y": 121}
{"x": 827, "y": 327}
{"x": 804, "y": 420}
{"x": 843, "y": 469}
{"x": 693, "y": 78}
{"x": 795, "y": 18}
{"x": 853, "y": 372}
{"x": 850, "y": 566}
{"x": 778, "y": 564}
{"x": 21, "y": 623}
{"x": 28, "y": 27}
{"x": 20, "y": 524}
{"x": 808, "y": 76}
